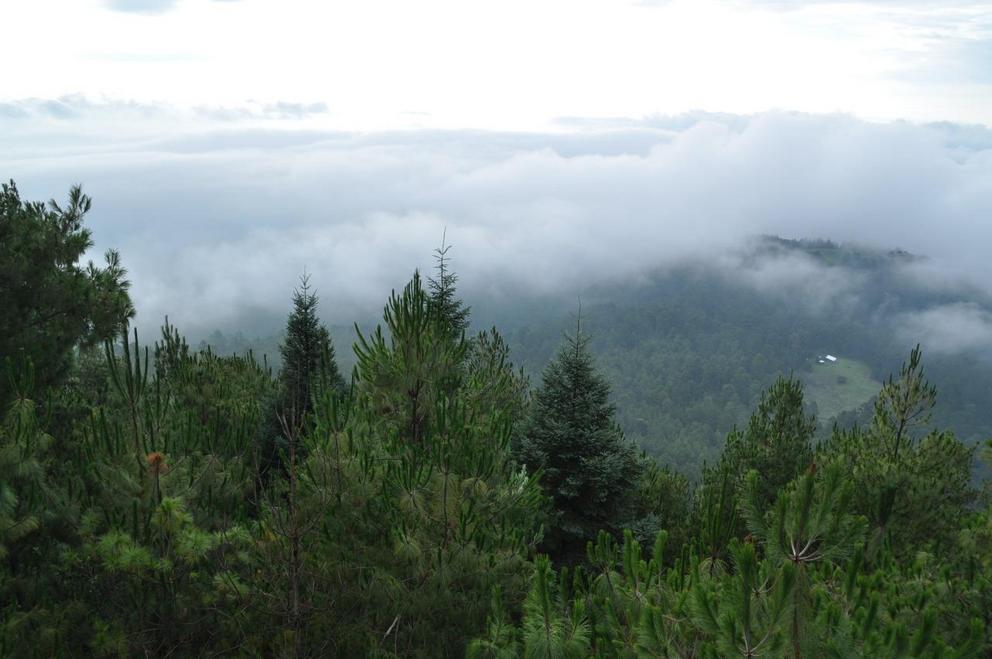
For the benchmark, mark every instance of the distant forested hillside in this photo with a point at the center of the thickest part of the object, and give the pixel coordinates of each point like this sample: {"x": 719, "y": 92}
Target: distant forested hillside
{"x": 689, "y": 350}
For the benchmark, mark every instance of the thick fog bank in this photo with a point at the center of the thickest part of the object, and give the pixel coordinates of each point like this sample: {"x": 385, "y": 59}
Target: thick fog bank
{"x": 216, "y": 219}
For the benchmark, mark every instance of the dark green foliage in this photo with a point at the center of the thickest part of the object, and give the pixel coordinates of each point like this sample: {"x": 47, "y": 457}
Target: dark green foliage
{"x": 444, "y": 301}
{"x": 586, "y": 466}
{"x": 135, "y": 520}
{"x": 745, "y": 614}
{"x": 777, "y": 442}
{"x": 52, "y": 304}
{"x": 902, "y": 406}
{"x": 501, "y": 636}
{"x": 717, "y": 519}
{"x": 806, "y": 581}
{"x": 810, "y": 528}
{"x": 662, "y": 500}
{"x": 914, "y": 486}
{"x": 140, "y": 547}
{"x": 405, "y": 375}
{"x": 419, "y": 511}
{"x": 308, "y": 361}
{"x": 797, "y": 587}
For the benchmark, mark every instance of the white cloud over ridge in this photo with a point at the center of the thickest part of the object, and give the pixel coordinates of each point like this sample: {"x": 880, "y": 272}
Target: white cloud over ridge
{"x": 948, "y": 328}
{"x": 216, "y": 219}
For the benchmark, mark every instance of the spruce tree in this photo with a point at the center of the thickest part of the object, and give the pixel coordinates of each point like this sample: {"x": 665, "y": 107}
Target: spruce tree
{"x": 587, "y": 466}
{"x": 307, "y": 354}
{"x": 444, "y": 303}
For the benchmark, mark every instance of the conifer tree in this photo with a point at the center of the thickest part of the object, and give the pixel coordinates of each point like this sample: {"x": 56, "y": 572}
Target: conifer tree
{"x": 51, "y": 303}
{"x": 552, "y": 628}
{"x": 408, "y": 373}
{"x": 903, "y": 405}
{"x": 588, "y": 468}
{"x": 307, "y": 354}
{"x": 810, "y": 526}
{"x": 444, "y": 302}
{"x": 777, "y": 442}
{"x": 914, "y": 488}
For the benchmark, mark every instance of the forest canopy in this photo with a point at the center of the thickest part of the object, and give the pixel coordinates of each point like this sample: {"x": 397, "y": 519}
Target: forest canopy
{"x": 436, "y": 501}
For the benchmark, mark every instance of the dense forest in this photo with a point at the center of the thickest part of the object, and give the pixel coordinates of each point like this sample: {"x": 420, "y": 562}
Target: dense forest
{"x": 456, "y": 493}
{"x": 688, "y": 351}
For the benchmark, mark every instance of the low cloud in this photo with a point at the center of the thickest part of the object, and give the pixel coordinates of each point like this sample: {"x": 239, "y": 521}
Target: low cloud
{"x": 216, "y": 217}
{"x": 141, "y": 6}
{"x": 795, "y": 278}
{"x": 792, "y": 5}
{"x": 949, "y": 328}
{"x": 148, "y": 6}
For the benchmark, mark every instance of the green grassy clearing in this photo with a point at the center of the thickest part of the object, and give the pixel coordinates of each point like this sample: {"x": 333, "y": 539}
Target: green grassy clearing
{"x": 839, "y": 386}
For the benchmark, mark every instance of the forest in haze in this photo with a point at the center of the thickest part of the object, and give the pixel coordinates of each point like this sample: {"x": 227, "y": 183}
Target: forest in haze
{"x": 688, "y": 351}
{"x": 672, "y": 469}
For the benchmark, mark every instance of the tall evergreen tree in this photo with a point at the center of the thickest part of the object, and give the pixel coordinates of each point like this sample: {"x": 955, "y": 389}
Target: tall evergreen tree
{"x": 777, "y": 442}
{"x": 307, "y": 354}
{"x": 903, "y": 406}
{"x": 444, "y": 302}
{"x": 588, "y": 468}
{"x": 51, "y": 303}
{"x": 914, "y": 486}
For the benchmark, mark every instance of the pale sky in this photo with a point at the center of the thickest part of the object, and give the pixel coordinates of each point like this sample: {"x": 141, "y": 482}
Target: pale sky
{"x": 512, "y": 64}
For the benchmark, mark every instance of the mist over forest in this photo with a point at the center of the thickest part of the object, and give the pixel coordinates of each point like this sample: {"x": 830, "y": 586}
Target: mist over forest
{"x": 517, "y": 330}
{"x": 232, "y": 211}
{"x": 236, "y": 207}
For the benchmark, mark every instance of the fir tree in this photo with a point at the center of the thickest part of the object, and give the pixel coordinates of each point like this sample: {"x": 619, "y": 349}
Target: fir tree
{"x": 444, "y": 303}
{"x": 587, "y": 466}
{"x": 307, "y": 354}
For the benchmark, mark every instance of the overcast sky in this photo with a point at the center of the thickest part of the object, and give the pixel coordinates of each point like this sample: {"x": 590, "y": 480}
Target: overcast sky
{"x": 229, "y": 144}
{"x": 513, "y": 64}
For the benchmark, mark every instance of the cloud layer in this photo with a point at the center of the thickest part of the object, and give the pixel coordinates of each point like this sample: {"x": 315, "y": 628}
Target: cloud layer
{"x": 146, "y": 6}
{"x": 948, "y": 328}
{"x": 217, "y": 223}
{"x": 142, "y": 6}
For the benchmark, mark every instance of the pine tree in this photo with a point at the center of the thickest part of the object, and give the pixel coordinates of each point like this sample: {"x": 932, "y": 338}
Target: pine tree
{"x": 903, "y": 405}
{"x": 308, "y": 360}
{"x": 52, "y": 303}
{"x": 810, "y": 526}
{"x": 408, "y": 373}
{"x": 587, "y": 466}
{"x": 552, "y": 628}
{"x": 913, "y": 487}
{"x": 777, "y": 442}
{"x": 448, "y": 307}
